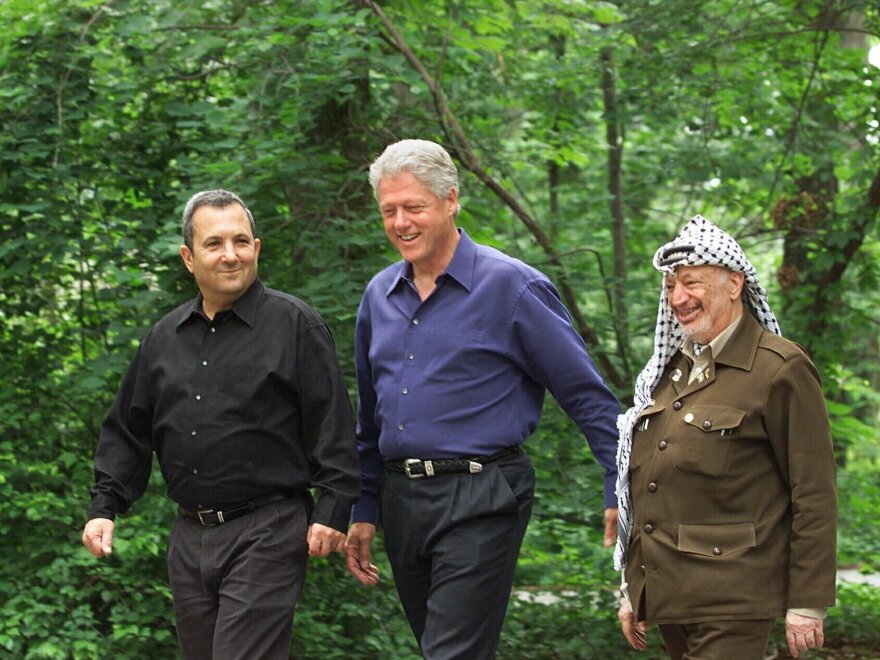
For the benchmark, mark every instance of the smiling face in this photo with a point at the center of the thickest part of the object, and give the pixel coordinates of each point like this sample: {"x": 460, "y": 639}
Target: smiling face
{"x": 224, "y": 255}
{"x": 419, "y": 224}
{"x": 704, "y": 299}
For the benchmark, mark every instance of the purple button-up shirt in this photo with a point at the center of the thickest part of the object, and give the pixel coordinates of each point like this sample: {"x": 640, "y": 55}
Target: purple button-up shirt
{"x": 464, "y": 372}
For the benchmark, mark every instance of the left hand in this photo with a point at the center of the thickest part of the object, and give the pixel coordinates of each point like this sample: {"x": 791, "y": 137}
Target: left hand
{"x": 610, "y": 528}
{"x": 802, "y": 633}
{"x": 636, "y": 632}
{"x": 323, "y": 540}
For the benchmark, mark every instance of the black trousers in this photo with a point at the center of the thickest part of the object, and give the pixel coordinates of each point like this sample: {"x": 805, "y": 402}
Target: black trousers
{"x": 717, "y": 640}
{"x": 453, "y": 541}
{"x": 234, "y": 586}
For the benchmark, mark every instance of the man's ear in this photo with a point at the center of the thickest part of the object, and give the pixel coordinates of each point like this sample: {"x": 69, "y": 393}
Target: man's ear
{"x": 737, "y": 281}
{"x": 186, "y": 255}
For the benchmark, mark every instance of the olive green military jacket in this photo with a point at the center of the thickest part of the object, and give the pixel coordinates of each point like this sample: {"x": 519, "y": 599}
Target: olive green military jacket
{"x": 733, "y": 487}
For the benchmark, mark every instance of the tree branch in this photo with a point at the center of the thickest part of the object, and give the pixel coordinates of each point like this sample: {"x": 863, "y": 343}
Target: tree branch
{"x": 463, "y": 151}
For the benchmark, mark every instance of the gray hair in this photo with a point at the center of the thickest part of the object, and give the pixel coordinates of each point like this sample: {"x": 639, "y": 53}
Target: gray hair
{"x": 217, "y": 198}
{"x": 427, "y": 161}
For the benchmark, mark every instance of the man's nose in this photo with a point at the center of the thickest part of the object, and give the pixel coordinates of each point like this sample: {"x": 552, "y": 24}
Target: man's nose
{"x": 400, "y": 217}
{"x": 677, "y": 294}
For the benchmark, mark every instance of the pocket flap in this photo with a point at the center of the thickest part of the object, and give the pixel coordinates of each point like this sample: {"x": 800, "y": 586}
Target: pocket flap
{"x": 716, "y": 540}
{"x": 650, "y": 410}
{"x": 710, "y": 418}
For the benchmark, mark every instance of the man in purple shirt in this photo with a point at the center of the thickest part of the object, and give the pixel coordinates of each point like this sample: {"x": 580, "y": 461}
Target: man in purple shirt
{"x": 455, "y": 348}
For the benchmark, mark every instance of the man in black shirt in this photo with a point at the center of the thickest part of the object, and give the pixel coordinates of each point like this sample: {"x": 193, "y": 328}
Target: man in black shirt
{"x": 239, "y": 393}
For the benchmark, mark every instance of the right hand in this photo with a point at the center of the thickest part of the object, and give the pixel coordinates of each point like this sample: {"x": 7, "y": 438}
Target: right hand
{"x": 357, "y": 553}
{"x": 98, "y": 536}
{"x": 636, "y": 632}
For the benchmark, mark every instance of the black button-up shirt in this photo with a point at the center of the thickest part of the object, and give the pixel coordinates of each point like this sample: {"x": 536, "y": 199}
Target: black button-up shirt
{"x": 247, "y": 405}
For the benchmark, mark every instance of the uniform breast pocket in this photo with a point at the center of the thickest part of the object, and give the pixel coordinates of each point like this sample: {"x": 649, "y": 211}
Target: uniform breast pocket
{"x": 704, "y": 441}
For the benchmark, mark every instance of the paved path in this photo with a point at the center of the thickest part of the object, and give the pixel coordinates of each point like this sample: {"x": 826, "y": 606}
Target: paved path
{"x": 853, "y": 575}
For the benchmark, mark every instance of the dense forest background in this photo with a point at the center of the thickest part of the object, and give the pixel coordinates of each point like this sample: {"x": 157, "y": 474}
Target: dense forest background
{"x": 586, "y": 132}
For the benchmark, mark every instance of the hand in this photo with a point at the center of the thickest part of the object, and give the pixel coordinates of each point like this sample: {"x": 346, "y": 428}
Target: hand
{"x": 636, "y": 632}
{"x": 610, "y": 528}
{"x": 323, "y": 540}
{"x": 802, "y": 633}
{"x": 357, "y": 550}
{"x": 98, "y": 536}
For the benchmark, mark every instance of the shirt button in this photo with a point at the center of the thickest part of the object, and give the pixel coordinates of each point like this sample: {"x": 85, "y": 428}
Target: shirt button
{"x": 411, "y": 356}
{"x": 689, "y": 418}
{"x": 198, "y": 397}
{"x": 649, "y": 528}
{"x": 204, "y": 363}
{"x": 707, "y": 425}
{"x": 676, "y": 405}
{"x": 652, "y": 487}
{"x": 192, "y": 433}
{"x": 400, "y": 427}
{"x": 213, "y": 329}
{"x": 405, "y": 390}
{"x": 415, "y": 321}
{"x": 662, "y": 444}
{"x": 195, "y": 470}
{"x": 716, "y": 551}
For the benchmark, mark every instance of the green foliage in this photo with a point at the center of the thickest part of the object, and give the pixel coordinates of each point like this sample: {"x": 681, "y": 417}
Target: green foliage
{"x": 762, "y": 117}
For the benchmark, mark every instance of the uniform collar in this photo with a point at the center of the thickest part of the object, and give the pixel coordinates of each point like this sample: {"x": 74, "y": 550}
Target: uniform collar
{"x": 741, "y": 347}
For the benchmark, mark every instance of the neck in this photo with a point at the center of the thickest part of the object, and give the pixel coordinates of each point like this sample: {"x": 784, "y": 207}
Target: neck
{"x": 425, "y": 274}
{"x": 212, "y": 306}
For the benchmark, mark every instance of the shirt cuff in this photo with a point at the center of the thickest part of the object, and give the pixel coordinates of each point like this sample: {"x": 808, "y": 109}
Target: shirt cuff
{"x": 332, "y": 511}
{"x": 366, "y": 509}
{"x": 610, "y": 481}
{"x": 103, "y": 506}
{"x": 812, "y": 612}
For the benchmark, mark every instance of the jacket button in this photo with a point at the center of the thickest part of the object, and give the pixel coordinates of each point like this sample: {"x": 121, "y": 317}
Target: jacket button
{"x": 652, "y": 487}
{"x": 707, "y": 425}
{"x": 662, "y": 444}
{"x": 716, "y": 551}
{"x": 649, "y": 528}
{"x": 643, "y": 568}
{"x": 689, "y": 418}
{"x": 676, "y": 405}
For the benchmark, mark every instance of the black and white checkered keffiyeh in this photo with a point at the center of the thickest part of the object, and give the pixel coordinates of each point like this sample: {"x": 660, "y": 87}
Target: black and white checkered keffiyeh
{"x": 700, "y": 243}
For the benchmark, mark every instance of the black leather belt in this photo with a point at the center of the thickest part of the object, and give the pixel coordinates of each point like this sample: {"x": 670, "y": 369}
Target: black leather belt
{"x": 416, "y": 468}
{"x": 214, "y": 517}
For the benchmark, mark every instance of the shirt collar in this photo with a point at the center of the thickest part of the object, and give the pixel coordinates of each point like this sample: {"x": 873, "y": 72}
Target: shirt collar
{"x": 460, "y": 268}
{"x": 244, "y": 308}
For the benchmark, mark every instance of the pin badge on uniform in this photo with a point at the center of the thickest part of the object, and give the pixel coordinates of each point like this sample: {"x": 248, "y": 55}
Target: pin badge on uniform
{"x": 676, "y": 375}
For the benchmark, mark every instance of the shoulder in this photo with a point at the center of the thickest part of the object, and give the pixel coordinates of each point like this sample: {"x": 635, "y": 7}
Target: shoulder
{"x": 280, "y": 302}
{"x": 494, "y": 263}
{"x": 784, "y": 348}
{"x": 385, "y": 277}
{"x": 172, "y": 319}
{"x": 380, "y": 284}
{"x": 784, "y": 358}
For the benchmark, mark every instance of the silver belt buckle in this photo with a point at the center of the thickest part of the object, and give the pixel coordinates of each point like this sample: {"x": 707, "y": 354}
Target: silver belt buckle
{"x": 208, "y": 512}
{"x": 409, "y": 462}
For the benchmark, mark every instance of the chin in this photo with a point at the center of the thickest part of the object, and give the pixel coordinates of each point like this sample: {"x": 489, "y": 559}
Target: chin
{"x": 697, "y": 334}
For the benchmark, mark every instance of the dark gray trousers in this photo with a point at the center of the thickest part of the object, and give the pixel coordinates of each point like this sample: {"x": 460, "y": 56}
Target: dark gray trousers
{"x": 235, "y": 586}
{"x": 453, "y": 541}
